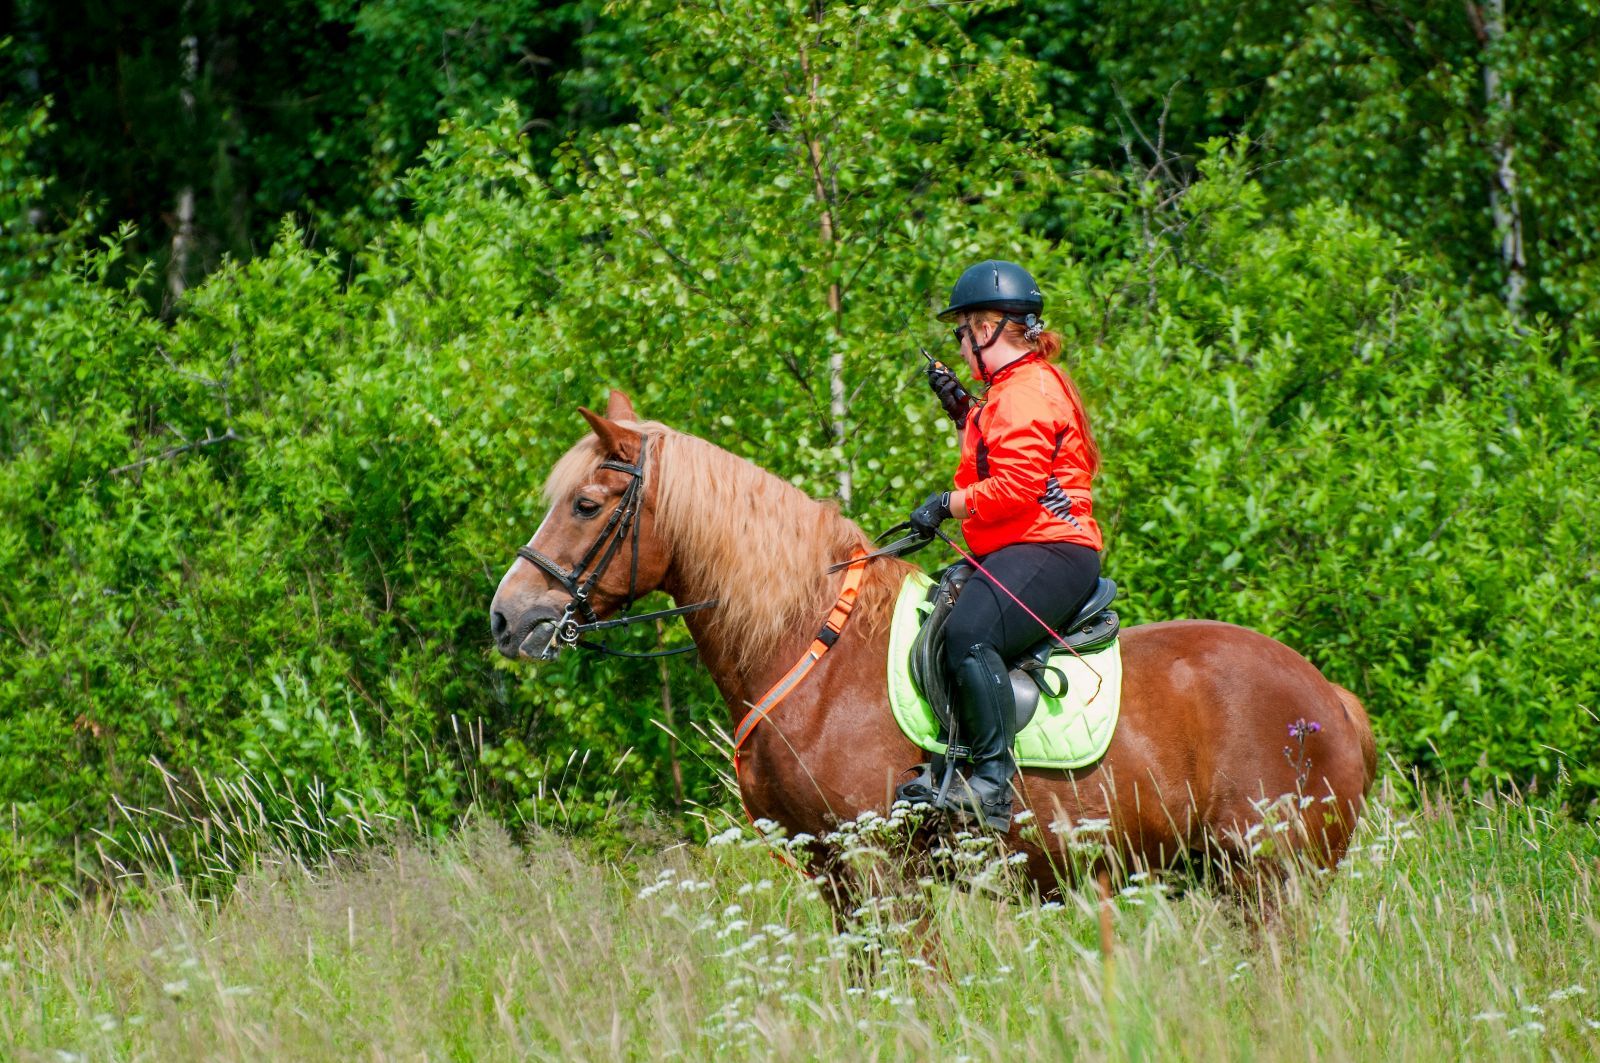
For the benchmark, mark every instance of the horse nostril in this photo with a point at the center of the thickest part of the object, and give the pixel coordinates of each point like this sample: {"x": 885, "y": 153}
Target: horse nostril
{"x": 498, "y": 623}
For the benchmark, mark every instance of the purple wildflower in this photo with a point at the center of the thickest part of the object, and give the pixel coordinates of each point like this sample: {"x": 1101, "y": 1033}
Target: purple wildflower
{"x": 1302, "y": 727}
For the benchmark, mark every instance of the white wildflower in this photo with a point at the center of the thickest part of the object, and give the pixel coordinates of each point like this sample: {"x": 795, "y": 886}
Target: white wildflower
{"x": 1568, "y": 991}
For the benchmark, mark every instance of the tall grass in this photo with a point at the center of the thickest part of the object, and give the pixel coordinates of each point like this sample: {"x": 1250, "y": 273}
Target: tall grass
{"x": 1464, "y": 928}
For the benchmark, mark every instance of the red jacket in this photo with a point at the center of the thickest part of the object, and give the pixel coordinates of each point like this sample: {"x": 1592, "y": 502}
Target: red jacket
{"x": 1025, "y": 463}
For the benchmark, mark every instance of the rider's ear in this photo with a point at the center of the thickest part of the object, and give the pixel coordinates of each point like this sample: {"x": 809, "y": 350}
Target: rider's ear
{"x": 618, "y": 442}
{"x": 619, "y": 408}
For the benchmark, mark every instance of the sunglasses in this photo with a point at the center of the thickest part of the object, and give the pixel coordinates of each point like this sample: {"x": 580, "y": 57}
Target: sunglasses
{"x": 957, "y": 332}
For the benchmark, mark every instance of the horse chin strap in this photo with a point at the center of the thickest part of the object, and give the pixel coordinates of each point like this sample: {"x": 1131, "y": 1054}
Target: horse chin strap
{"x": 623, "y": 525}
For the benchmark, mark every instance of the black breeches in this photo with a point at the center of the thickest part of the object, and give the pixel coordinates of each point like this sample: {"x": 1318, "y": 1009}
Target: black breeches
{"x": 1052, "y": 579}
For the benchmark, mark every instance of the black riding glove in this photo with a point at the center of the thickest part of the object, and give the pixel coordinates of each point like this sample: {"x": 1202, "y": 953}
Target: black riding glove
{"x": 926, "y": 518}
{"x": 952, "y": 396}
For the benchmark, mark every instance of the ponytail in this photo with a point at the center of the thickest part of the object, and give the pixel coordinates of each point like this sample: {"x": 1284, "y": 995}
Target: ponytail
{"x": 1049, "y": 345}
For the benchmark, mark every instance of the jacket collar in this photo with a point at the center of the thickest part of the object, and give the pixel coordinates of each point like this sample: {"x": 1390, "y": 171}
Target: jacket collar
{"x": 1011, "y": 367}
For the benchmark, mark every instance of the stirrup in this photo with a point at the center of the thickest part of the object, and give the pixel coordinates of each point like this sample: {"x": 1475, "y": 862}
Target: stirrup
{"x": 922, "y": 790}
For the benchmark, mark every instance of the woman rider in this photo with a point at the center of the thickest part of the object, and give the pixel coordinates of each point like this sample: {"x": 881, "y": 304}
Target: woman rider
{"x": 1022, "y": 495}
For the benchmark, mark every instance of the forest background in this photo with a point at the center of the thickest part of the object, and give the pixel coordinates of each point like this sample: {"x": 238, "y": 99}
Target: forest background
{"x": 297, "y": 301}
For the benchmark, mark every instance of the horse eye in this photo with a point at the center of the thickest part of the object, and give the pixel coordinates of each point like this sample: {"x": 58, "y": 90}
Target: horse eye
{"x": 585, "y": 507}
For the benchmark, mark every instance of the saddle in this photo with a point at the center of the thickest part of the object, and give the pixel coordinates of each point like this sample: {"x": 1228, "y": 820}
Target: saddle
{"x": 1092, "y": 628}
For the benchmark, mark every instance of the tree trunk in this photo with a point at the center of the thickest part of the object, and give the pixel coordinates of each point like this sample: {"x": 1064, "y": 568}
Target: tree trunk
{"x": 838, "y": 405}
{"x": 672, "y": 723}
{"x": 1489, "y": 22}
{"x": 183, "y": 233}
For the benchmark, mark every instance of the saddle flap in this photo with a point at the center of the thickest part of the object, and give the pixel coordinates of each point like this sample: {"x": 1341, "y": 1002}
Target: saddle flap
{"x": 927, "y": 651}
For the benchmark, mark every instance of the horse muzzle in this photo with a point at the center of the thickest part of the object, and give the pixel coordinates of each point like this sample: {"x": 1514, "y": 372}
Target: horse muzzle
{"x": 539, "y": 634}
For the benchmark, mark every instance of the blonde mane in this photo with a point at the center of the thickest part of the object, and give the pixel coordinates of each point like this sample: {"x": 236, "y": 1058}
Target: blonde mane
{"x": 742, "y": 535}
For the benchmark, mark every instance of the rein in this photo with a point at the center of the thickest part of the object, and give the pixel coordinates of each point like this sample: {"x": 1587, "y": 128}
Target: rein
{"x": 623, "y": 525}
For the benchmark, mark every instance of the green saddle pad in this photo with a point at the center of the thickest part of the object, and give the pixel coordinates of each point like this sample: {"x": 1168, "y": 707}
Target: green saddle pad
{"x": 1066, "y": 732}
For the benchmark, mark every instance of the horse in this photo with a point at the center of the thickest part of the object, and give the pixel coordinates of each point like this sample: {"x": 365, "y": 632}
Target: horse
{"x": 1194, "y": 771}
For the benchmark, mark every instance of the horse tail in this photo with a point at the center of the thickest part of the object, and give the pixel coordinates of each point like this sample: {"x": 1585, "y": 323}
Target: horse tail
{"x": 1357, "y": 715}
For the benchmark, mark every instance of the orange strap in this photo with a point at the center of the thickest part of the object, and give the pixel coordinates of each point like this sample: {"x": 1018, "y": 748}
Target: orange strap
{"x": 820, "y": 645}
{"x": 831, "y": 629}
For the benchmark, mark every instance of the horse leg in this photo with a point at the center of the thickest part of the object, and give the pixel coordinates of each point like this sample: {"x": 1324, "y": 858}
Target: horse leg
{"x": 840, "y": 887}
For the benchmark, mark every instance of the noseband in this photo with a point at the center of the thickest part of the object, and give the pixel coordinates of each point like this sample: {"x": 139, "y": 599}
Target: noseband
{"x": 623, "y": 525}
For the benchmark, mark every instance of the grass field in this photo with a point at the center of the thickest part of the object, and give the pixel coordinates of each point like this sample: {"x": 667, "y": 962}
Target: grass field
{"x": 1469, "y": 929}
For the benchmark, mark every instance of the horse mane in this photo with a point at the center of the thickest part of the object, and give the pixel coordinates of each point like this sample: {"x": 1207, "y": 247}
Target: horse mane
{"x": 742, "y": 535}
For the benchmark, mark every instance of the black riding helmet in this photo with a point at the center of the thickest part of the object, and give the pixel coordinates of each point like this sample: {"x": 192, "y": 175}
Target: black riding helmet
{"x": 995, "y": 285}
{"x": 1002, "y": 286}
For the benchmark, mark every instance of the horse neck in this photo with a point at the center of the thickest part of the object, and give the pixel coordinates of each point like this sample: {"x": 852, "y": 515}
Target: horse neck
{"x": 740, "y": 678}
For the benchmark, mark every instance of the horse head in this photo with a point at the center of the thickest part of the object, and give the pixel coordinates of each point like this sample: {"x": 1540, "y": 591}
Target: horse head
{"x": 595, "y": 551}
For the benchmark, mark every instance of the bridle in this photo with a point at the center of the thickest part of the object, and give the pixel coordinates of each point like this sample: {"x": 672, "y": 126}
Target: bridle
{"x": 622, "y": 526}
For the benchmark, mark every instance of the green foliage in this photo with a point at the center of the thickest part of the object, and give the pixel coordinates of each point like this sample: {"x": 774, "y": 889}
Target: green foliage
{"x": 1379, "y": 105}
{"x": 315, "y": 107}
{"x": 1303, "y": 438}
{"x": 793, "y": 187}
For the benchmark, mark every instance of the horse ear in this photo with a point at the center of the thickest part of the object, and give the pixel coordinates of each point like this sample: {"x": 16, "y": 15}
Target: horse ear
{"x": 618, "y": 442}
{"x": 619, "y": 408}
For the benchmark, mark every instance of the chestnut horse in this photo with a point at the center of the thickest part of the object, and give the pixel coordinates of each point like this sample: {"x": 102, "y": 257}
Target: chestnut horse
{"x": 1209, "y": 710}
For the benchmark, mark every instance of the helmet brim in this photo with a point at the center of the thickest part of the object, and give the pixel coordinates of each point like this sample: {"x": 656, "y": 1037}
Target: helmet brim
{"x": 1005, "y": 307}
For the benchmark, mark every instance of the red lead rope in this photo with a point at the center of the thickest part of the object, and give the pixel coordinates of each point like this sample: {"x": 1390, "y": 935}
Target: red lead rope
{"x": 831, "y": 630}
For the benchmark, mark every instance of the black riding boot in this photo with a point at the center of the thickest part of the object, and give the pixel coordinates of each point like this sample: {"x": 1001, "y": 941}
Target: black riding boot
{"x": 987, "y": 718}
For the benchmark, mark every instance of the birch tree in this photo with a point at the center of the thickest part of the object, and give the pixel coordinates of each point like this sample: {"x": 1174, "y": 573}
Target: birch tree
{"x": 802, "y": 181}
